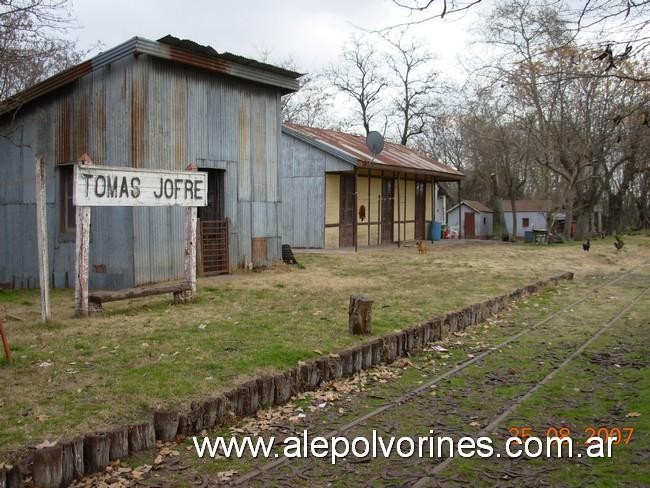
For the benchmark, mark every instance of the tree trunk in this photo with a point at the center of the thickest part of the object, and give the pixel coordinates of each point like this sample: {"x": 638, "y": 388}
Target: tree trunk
{"x": 360, "y": 315}
{"x": 568, "y": 216}
{"x": 500, "y": 220}
{"x": 615, "y": 213}
{"x": 513, "y": 237}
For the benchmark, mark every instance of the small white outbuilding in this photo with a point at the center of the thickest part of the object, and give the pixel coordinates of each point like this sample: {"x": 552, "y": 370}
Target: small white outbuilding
{"x": 476, "y": 219}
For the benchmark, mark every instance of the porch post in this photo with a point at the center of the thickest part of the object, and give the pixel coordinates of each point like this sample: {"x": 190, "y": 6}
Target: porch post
{"x": 399, "y": 218}
{"x": 460, "y": 214}
{"x": 368, "y": 212}
{"x": 356, "y": 208}
{"x": 433, "y": 204}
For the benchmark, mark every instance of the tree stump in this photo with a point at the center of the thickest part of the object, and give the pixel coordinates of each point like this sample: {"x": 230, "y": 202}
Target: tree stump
{"x": 360, "y": 315}
{"x": 165, "y": 425}
{"x": 14, "y": 478}
{"x": 142, "y": 437}
{"x": 119, "y": 443}
{"x": 47, "y": 471}
{"x": 96, "y": 452}
{"x": 213, "y": 412}
{"x": 73, "y": 461}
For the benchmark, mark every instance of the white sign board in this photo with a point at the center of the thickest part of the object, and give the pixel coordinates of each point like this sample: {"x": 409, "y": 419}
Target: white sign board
{"x": 106, "y": 186}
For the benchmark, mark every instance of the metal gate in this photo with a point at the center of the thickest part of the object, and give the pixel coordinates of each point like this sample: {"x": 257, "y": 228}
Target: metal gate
{"x": 214, "y": 247}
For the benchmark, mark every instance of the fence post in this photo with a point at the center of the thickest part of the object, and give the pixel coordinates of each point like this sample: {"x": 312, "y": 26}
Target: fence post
{"x": 41, "y": 238}
{"x": 190, "y": 242}
{"x": 82, "y": 248}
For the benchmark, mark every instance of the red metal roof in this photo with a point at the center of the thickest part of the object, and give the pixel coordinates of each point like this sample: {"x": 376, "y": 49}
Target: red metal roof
{"x": 393, "y": 155}
{"x": 478, "y": 206}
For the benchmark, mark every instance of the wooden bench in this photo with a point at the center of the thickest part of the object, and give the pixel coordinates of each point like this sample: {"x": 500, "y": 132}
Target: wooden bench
{"x": 182, "y": 293}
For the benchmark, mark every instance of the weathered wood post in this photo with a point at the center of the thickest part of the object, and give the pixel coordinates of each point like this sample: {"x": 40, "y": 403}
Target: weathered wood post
{"x": 82, "y": 249}
{"x": 41, "y": 238}
{"x": 190, "y": 242}
{"x": 5, "y": 340}
{"x": 360, "y": 320}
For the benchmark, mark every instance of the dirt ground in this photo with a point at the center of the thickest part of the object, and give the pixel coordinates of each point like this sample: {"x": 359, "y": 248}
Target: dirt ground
{"x": 72, "y": 376}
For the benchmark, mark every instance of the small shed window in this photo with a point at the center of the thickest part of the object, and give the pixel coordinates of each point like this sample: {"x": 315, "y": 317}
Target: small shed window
{"x": 484, "y": 220}
{"x": 67, "y": 219}
{"x": 525, "y": 222}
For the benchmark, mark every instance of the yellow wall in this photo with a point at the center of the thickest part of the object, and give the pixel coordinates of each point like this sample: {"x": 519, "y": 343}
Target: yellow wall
{"x": 331, "y": 237}
{"x": 372, "y": 206}
{"x": 332, "y": 198}
{"x": 408, "y": 231}
{"x": 375, "y": 192}
{"x": 410, "y": 200}
{"x": 370, "y": 233}
{"x": 362, "y": 199}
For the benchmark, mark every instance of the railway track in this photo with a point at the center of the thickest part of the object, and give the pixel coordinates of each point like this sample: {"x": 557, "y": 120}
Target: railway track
{"x": 266, "y": 469}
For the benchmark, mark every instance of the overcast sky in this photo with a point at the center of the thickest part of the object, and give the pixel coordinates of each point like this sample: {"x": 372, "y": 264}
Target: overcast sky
{"x": 309, "y": 32}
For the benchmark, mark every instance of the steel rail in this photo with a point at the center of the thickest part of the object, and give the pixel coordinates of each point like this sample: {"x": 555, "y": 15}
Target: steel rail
{"x": 519, "y": 400}
{"x": 271, "y": 465}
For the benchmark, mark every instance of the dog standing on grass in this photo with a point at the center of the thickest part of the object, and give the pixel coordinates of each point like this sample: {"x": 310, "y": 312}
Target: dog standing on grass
{"x": 422, "y": 247}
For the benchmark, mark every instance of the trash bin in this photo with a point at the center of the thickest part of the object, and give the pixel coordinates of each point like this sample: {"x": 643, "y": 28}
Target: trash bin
{"x": 528, "y": 236}
{"x": 435, "y": 231}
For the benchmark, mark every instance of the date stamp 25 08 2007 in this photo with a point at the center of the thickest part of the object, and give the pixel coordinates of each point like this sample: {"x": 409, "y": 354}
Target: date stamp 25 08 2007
{"x": 616, "y": 435}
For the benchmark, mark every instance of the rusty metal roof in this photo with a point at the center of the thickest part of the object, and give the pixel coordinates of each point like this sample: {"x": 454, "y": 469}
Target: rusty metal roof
{"x": 235, "y": 58}
{"x": 474, "y": 205}
{"x": 169, "y": 48}
{"x": 352, "y": 148}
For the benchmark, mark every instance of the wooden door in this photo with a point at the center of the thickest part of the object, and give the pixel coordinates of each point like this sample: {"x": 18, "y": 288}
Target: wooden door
{"x": 420, "y": 210}
{"x": 346, "y": 216}
{"x": 213, "y": 228}
{"x": 469, "y": 226}
{"x": 387, "y": 209}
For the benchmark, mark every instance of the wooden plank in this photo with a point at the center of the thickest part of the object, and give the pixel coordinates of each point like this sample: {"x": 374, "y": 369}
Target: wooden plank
{"x": 138, "y": 292}
{"x": 104, "y": 186}
{"x": 41, "y": 239}
{"x": 82, "y": 247}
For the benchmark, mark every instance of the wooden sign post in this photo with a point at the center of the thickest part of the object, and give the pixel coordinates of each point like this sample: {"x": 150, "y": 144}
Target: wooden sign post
{"x": 82, "y": 250}
{"x": 190, "y": 242}
{"x": 41, "y": 239}
{"x": 114, "y": 186}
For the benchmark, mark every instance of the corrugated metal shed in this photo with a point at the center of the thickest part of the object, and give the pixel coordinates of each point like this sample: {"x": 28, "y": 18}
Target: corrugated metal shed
{"x": 352, "y": 148}
{"x": 144, "y": 105}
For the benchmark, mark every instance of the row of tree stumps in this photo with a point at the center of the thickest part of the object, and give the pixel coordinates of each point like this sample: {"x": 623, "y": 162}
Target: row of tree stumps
{"x": 360, "y": 315}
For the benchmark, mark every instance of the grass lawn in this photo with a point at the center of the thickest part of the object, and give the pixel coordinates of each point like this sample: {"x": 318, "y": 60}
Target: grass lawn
{"x": 73, "y": 375}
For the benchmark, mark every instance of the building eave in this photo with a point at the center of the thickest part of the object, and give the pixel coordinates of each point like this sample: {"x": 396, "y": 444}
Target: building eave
{"x": 138, "y": 45}
{"x": 360, "y": 163}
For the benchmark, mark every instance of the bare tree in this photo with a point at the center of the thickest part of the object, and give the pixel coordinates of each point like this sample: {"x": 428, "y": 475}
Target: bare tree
{"x": 444, "y": 137}
{"x": 310, "y": 105}
{"x": 615, "y": 30}
{"x": 416, "y": 84}
{"x": 33, "y": 43}
{"x": 359, "y": 76}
